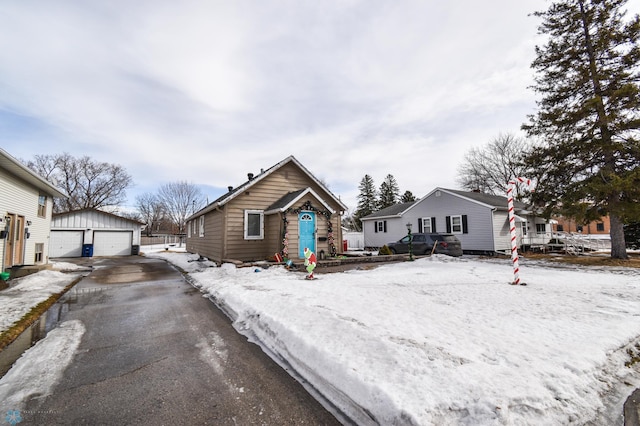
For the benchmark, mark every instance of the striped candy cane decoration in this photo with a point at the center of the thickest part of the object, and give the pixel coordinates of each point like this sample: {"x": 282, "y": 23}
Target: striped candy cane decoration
{"x": 512, "y": 227}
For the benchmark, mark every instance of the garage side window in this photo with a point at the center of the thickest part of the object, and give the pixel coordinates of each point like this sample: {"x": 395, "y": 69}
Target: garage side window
{"x": 380, "y": 226}
{"x": 201, "y": 227}
{"x": 253, "y": 225}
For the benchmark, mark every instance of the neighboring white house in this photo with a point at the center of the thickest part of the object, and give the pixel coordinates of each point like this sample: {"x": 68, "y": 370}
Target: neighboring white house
{"x": 385, "y": 225}
{"x": 26, "y": 201}
{"x": 89, "y": 232}
{"x": 480, "y": 221}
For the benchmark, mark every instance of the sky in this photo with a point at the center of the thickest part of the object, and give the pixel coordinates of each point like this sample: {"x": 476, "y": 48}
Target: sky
{"x": 441, "y": 340}
{"x": 208, "y": 91}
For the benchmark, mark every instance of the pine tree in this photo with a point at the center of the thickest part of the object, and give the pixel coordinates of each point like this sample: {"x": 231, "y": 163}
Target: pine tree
{"x": 389, "y": 192}
{"x": 367, "y": 199}
{"x": 407, "y": 197}
{"x": 589, "y": 113}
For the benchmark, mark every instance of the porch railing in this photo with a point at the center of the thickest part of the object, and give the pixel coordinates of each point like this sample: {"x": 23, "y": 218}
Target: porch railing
{"x": 571, "y": 243}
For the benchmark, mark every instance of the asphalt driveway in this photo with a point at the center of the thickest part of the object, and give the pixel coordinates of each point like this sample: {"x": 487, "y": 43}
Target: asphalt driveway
{"x": 156, "y": 352}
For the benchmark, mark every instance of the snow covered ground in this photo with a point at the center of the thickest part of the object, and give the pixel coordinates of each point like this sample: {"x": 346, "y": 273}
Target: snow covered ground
{"x": 437, "y": 341}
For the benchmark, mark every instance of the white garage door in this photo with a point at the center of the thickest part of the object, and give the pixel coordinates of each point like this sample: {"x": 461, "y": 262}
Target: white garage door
{"x": 66, "y": 243}
{"x": 112, "y": 243}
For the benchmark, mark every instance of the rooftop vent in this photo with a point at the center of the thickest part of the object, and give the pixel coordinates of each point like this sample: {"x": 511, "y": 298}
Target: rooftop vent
{"x": 250, "y": 176}
{"x": 230, "y": 188}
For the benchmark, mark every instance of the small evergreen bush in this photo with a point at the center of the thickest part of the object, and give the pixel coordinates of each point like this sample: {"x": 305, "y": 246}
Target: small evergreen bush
{"x": 384, "y": 250}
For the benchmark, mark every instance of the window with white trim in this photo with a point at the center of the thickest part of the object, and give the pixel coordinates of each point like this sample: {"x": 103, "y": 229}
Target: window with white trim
{"x": 541, "y": 228}
{"x": 427, "y": 223}
{"x": 253, "y": 225}
{"x": 201, "y": 226}
{"x": 380, "y": 226}
{"x": 39, "y": 253}
{"x": 42, "y": 205}
{"x": 456, "y": 224}
{"x": 189, "y": 225}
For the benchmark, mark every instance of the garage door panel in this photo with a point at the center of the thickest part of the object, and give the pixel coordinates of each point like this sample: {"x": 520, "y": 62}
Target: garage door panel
{"x": 112, "y": 243}
{"x": 66, "y": 243}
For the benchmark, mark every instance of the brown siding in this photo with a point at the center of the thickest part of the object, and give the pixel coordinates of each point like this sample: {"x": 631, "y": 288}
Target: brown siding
{"x": 591, "y": 228}
{"x": 211, "y": 245}
{"x": 260, "y": 196}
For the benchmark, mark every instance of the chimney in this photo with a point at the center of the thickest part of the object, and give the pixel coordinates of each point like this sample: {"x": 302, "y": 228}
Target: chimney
{"x": 250, "y": 176}
{"x": 230, "y": 188}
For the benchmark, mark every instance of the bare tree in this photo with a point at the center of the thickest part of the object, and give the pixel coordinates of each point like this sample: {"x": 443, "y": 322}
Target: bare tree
{"x": 89, "y": 183}
{"x": 150, "y": 209}
{"x": 179, "y": 200}
{"x": 489, "y": 168}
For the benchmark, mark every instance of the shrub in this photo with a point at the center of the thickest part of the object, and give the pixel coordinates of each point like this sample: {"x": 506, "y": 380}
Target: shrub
{"x": 384, "y": 250}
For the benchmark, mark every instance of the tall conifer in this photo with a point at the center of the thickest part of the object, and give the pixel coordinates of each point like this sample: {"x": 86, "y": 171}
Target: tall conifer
{"x": 588, "y": 75}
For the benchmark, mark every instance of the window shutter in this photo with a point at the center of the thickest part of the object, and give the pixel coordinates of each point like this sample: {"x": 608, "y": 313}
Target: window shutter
{"x": 465, "y": 230}
{"x": 448, "y": 219}
{"x": 420, "y": 225}
{"x": 375, "y": 226}
{"x": 433, "y": 224}
{"x": 385, "y": 226}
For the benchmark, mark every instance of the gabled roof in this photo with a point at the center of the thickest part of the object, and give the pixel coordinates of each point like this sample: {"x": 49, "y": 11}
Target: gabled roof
{"x": 89, "y": 210}
{"x": 397, "y": 210}
{"x": 291, "y": 198}
{"x": 489, "y": 200}
{"x": 18, "y": 169}
{"x": 233, "y": 193}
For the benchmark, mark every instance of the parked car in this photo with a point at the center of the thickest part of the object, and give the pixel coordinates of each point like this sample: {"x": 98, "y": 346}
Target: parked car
{"x": 423, "y": 244}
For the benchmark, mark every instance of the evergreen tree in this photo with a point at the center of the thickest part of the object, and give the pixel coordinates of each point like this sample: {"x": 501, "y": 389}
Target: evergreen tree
{"x": 367, "y": 199}
{"x": 407, "y": 197}
{"x": 589, "y": 113}
{"x": 389, "y": 192}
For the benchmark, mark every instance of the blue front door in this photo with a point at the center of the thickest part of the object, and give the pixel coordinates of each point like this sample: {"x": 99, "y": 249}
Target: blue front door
{"x": 307, "y": 232}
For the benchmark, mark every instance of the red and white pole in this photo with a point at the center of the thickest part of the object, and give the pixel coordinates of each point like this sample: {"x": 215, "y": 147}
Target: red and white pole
{"x": 512, "y": 227}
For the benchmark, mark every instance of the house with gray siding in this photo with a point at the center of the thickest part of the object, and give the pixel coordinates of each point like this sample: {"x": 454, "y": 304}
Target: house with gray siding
{"x": 480, "y": 221}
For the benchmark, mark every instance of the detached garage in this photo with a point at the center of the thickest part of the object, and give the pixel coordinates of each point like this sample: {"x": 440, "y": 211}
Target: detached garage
{"x": 92, "y": 232}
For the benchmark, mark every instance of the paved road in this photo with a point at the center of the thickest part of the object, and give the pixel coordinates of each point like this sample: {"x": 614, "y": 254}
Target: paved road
{"x": 155, "y": 352}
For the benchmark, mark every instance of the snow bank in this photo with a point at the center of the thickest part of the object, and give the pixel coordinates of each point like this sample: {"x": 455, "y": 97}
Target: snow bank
{"x": 443, "y": 340}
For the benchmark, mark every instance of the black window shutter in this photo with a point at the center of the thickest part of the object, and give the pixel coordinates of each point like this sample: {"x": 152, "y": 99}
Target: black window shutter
{"x": 385, "y": 226}
{"x": 420, "y": 225}
{"x": 433, "y": 224}
{"x": 448, "y": 219}
{"x": 465, "y": 230}
{"x": 375, "y": 226}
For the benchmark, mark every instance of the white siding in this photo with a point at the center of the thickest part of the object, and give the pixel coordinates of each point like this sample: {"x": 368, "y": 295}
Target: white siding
{"x": 93, "y": 220}
{"x": 111, "y": 243}
{"x": 66, "y": 243}
{"x": 396, "y": 229}
{"x": 18, "y": 197}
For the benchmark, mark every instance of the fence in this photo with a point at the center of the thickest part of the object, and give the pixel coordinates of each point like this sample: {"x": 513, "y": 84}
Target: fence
{"x": 163, "y": 240}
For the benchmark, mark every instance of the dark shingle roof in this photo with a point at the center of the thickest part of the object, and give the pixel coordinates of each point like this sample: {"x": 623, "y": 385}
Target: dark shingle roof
{"x": 394, "y": 210}
{"x": 492, "y": 200}
{"x": 285, "y": 200}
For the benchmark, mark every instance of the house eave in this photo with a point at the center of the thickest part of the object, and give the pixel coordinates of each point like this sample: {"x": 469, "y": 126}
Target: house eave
{"x": 15, "y": 167}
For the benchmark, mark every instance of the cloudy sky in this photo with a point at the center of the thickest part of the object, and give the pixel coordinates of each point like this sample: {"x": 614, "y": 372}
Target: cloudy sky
{"x": 207, "y": 91}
